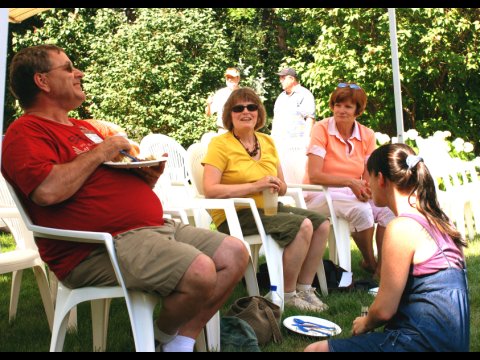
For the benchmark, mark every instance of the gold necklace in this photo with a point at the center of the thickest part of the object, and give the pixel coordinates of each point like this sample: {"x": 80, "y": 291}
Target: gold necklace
{"x": 252, "y": 153}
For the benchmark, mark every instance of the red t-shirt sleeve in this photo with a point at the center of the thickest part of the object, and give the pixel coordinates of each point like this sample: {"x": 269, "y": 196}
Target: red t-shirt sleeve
{"x": 31, "y": 157}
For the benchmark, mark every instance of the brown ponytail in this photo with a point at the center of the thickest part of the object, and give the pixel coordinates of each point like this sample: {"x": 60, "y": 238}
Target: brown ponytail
{"x": 411, "y": 177}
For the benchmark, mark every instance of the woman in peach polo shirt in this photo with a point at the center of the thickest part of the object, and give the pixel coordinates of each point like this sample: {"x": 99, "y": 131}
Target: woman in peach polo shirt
{"x": 338, "y": 151}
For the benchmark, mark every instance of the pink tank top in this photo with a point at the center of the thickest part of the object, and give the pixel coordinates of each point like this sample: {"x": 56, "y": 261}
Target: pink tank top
{"x": 447, "y": 254}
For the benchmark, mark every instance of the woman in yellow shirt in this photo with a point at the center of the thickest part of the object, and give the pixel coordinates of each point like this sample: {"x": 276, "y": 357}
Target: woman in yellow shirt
{"x": 243, "y": 163}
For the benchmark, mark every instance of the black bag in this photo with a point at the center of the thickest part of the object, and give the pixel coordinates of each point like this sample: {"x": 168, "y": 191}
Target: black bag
{"x": 333, "y": 274}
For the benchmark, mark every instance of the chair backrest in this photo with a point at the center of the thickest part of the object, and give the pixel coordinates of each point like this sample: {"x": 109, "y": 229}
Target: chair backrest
{"x": 157, "y": 145}
{"x": 22, "y": 236}
{"x": 195, "y": 154}
{"x": 207, "y": 137}
{"x": 293, "y": 159}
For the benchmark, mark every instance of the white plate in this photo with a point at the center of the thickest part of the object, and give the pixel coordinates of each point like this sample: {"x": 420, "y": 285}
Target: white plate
{"x": 373, "y": 291}
{"x": 290, "y": 324}
{"x": 135, "y": 164}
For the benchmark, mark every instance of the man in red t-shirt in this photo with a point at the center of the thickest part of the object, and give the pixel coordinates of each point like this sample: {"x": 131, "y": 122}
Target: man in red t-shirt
{"x": 55, "y": 163}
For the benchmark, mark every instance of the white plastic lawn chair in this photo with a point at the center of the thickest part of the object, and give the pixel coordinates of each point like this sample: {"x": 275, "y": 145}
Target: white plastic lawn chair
{"x": 174, "y": 188}
{"x": 273, "y": 252}
{"x": 293, "y": 159}
{"x": 140, "y": 305}
{"x": 157, "y": 145}
{"x": 24, "y": 256}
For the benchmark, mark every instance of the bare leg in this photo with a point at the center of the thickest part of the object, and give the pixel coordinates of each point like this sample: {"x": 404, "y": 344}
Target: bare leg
{"x": 364, "y": 241}
{"x": 227, "y": 268}
{"x": 379, "y": 239}
{"x": 294, "y": 255}
{"x": 193, "y": 290}
{"x": 314, "y": 254}
{"x": 321, "y": 346}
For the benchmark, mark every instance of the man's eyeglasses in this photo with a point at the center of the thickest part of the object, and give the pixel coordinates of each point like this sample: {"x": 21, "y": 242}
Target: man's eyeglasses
{"x": 67, "y": 67}
{"x": 351, "y": 86}
{"x": 240, "y": 108}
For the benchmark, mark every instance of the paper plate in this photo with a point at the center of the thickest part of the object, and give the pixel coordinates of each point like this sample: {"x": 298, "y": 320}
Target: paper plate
{"x": 290, "y": 324}
{"x": 135, "y": 164}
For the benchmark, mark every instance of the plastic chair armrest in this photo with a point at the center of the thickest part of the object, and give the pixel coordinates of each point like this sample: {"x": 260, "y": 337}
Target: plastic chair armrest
{"x": 71, "y": 235}
{"x": 9, "y": 213}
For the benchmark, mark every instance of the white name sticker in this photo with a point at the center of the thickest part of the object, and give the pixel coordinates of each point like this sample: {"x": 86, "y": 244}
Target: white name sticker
{"x": 95, "y": 138}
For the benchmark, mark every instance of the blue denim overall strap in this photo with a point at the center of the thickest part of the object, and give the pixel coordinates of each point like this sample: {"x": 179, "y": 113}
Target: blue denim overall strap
{"x": 436, "y": 308}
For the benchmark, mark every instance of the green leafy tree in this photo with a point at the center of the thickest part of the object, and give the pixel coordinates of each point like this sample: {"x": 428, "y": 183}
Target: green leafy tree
{"x": 439, "y": 63}
{"x": 151, "y": 70}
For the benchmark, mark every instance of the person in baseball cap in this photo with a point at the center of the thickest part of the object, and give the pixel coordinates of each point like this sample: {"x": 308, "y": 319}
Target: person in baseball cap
{"x": 288, "y": 72}
{"x": 232, "y": 72}
{"x": 294, "y": 109}
{"x": 216, "y": 101}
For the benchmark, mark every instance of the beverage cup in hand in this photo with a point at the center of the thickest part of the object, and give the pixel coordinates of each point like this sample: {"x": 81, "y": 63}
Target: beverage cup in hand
{"x": 270, "y": 202}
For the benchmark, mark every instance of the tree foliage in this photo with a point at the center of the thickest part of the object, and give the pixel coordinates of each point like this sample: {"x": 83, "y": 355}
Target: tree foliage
{"x": 150, "y": 70}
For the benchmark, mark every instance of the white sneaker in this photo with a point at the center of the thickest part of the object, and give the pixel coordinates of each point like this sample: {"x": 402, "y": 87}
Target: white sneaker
{"x": 310, "y": 296}
{"x": 299, "y": 303}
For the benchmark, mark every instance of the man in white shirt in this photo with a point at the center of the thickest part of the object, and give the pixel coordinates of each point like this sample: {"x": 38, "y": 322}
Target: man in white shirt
{"x": 294, "y": 110}
{"x": 215, "y": 103}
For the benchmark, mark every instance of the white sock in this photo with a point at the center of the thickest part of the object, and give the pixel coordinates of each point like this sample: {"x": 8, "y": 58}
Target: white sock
{"x": 179, "y": 344}
{"x": 162, "y": 337}
{"x": 302, "y": 287}
{"x": 288, "y": 295}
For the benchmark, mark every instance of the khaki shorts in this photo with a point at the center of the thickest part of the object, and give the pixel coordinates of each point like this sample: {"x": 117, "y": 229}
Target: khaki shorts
{"x": 152, "y": 259}
{"x": 283, "y": 227}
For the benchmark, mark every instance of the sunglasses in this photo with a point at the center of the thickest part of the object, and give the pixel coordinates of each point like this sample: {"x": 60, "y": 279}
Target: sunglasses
{"x": 67, "y": 66}
{"x": 351, "y": 86}
{"x": 240, "y": 108}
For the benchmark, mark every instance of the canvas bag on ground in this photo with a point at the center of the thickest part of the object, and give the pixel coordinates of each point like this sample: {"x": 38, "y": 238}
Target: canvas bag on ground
{"x": 262, "y": 315}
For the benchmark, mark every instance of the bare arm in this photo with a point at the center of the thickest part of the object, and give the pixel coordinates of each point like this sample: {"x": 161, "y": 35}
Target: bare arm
{"x": 208, "y": 110}
{"x": 309, "y": 122}
{"x": 214, "y": 189}
{"x": 397, "y": 254}
{"x": 281, "y": 181}
{"x": 64, "y": 180}
{"x": 317, "y": 176}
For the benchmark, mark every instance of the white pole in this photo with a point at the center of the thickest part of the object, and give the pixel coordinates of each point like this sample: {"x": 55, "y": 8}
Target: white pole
{"x": 3, "y": 67}
{"x": 396, "y": 75}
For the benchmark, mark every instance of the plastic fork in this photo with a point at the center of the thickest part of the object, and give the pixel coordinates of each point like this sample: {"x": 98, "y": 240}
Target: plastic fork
{"x": 133, "y": 158}
{"x": 312, "y": 324}
{"x": 304, "y": 329}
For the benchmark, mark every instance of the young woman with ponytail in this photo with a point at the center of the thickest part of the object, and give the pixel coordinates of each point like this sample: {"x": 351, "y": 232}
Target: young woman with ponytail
{"x": 423, "y": 294}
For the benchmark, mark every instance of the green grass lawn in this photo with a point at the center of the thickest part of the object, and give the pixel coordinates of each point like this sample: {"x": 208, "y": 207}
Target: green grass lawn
{"x": 29, "y": 331}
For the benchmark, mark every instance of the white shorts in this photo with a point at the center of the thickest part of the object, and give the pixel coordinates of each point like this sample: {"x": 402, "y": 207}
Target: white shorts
{"x": 360, "y": 215}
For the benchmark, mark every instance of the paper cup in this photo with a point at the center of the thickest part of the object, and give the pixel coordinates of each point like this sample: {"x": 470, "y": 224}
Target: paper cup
{"x": 270, "y": 202}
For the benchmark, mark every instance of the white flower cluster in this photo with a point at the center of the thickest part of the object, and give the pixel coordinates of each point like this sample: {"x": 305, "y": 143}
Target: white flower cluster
{"x": 458, "y": 144}
{"x": 382, "y": 138}
{"x": 461, "y": 145}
